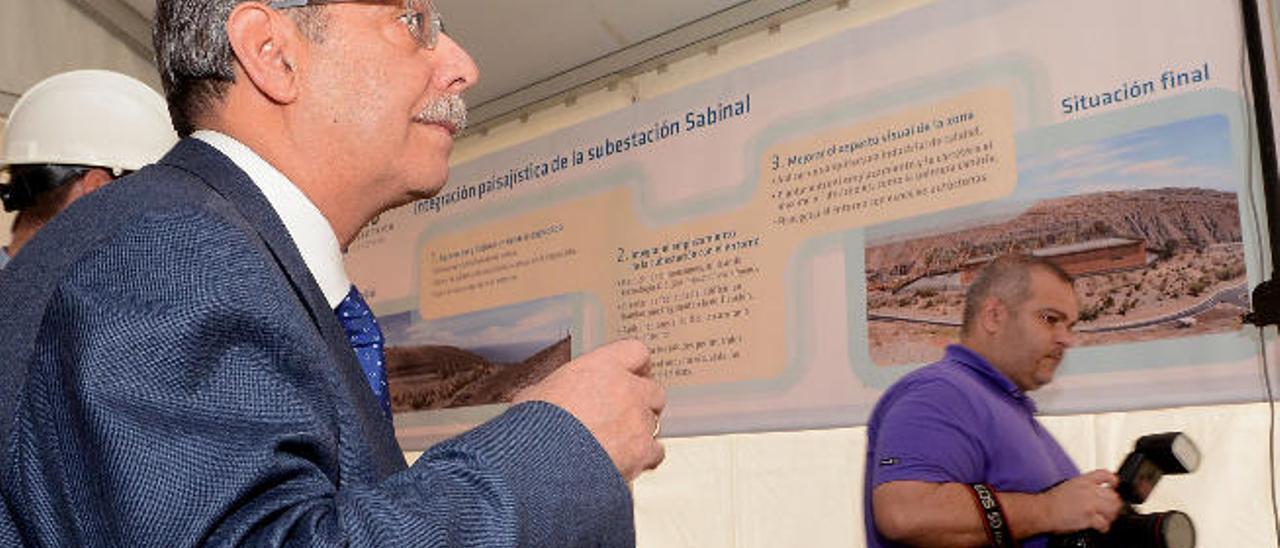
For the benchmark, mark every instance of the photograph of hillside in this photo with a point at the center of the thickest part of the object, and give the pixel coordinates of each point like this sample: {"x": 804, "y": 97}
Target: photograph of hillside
{"x": 437, "y": 377}
{"x": 480, "y": 358}
{"x": 1148, "y": 223}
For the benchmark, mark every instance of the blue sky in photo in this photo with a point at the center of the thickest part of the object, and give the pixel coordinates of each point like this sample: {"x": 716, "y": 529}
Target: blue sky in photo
{"x": 1193, "y": 153}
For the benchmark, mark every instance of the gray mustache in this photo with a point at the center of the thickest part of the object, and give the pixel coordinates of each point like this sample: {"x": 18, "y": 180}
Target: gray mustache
{"x": 450, "y": 110}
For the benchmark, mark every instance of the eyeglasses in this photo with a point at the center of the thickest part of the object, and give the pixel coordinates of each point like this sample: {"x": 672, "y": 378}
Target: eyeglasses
{"x": 424, "y": 22}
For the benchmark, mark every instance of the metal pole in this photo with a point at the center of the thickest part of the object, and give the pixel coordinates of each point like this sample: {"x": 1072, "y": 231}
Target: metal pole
{"x": 1266, "y": 297}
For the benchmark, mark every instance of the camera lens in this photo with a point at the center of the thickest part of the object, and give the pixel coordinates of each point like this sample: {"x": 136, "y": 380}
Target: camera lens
{"x": 1177, "y": 530}
{"x": 1171, "y": 529}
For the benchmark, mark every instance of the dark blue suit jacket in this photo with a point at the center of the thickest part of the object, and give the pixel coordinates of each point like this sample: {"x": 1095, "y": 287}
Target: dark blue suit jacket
{"x": 172, "y": 376}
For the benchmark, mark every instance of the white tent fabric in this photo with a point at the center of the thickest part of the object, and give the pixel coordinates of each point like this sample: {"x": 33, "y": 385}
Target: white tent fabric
{"x": 41, "y": 38}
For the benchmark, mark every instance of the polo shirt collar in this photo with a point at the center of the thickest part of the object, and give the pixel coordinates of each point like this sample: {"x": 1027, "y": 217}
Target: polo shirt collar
{"x": 995, "y": 379}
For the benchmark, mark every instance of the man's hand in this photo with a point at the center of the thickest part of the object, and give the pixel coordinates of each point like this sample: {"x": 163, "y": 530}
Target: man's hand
{"x": 1087, "y": 501}
{"x": 610, "y": 392}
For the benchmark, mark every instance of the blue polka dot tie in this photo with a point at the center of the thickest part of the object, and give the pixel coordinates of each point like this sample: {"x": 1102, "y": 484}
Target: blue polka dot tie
{"x": 366, "y": 339}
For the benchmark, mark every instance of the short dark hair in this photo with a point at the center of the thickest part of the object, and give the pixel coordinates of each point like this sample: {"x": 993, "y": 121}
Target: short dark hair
{"x": 194, "y": 55}
{"x": 1008, "y": 279}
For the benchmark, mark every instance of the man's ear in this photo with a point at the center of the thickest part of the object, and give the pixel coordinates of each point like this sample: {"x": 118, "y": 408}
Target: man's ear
{"x": 266, "y": 46}
{"x": 95, "y": 179}
{"x": 992, "y": 316}
{"x": 92, "y": 180}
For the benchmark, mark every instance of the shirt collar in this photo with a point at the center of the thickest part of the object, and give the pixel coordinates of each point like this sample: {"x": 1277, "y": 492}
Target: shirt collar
{"x": 976, "y": 363}
{"x": 308, "y": 228}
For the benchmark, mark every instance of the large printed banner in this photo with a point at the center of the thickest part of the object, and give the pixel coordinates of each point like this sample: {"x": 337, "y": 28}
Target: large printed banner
{"x": 792, "y": 236}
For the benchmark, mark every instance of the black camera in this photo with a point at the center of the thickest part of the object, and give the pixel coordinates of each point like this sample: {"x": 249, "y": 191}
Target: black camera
{"x": 1153, "y": 457}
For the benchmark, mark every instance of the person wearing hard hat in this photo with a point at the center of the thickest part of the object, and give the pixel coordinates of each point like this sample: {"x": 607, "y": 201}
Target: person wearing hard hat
{"x": 70, "y": 134}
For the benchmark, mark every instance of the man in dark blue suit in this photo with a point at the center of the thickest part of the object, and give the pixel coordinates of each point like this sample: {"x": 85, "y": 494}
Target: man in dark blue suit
{"x": 174, "y": 370}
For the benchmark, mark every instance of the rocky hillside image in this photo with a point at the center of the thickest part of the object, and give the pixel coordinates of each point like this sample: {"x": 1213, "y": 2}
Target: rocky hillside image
{"x": 1168, "y": 220}
{"x": 436, "y": 377}
{"x": 1149, "y": 264}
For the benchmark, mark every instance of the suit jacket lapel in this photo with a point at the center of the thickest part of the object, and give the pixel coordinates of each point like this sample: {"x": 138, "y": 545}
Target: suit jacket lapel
{"x": 234, "y": 185}
{"x": 228, "y": 181}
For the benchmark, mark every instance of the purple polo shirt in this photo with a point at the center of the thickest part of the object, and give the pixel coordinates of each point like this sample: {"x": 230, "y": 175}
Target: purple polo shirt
{"x": 959, "y": 421}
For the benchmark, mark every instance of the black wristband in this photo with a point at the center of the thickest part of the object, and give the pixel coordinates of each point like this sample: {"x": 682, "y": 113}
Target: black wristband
{"x": 993, "y": 518}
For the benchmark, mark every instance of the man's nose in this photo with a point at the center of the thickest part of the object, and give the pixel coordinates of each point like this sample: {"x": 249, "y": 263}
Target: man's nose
{"x": 457, "y": 70}
{"x": 1067, "y": 337}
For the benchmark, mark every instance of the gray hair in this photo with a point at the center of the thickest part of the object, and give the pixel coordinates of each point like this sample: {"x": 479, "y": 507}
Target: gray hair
{"x": 194, "y": 54}
{"x": 1008, "y": 279}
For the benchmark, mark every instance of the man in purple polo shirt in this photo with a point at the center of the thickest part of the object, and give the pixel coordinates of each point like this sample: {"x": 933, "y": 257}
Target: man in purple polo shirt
{"x": 955, "y": 456}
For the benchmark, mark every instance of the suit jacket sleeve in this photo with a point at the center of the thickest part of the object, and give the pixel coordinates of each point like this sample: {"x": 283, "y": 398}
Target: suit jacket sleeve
{"x": 179, "y": 396}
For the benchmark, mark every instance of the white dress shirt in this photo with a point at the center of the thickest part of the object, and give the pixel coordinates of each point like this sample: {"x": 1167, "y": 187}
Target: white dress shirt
{"x": 310, "y": 230}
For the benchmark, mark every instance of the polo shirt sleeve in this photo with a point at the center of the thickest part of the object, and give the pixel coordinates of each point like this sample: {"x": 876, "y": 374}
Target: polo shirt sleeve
{"x": 930, "y": 432}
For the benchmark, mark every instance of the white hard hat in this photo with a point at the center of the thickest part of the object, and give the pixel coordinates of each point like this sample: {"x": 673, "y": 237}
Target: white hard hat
{"x": 88, "y": 117}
